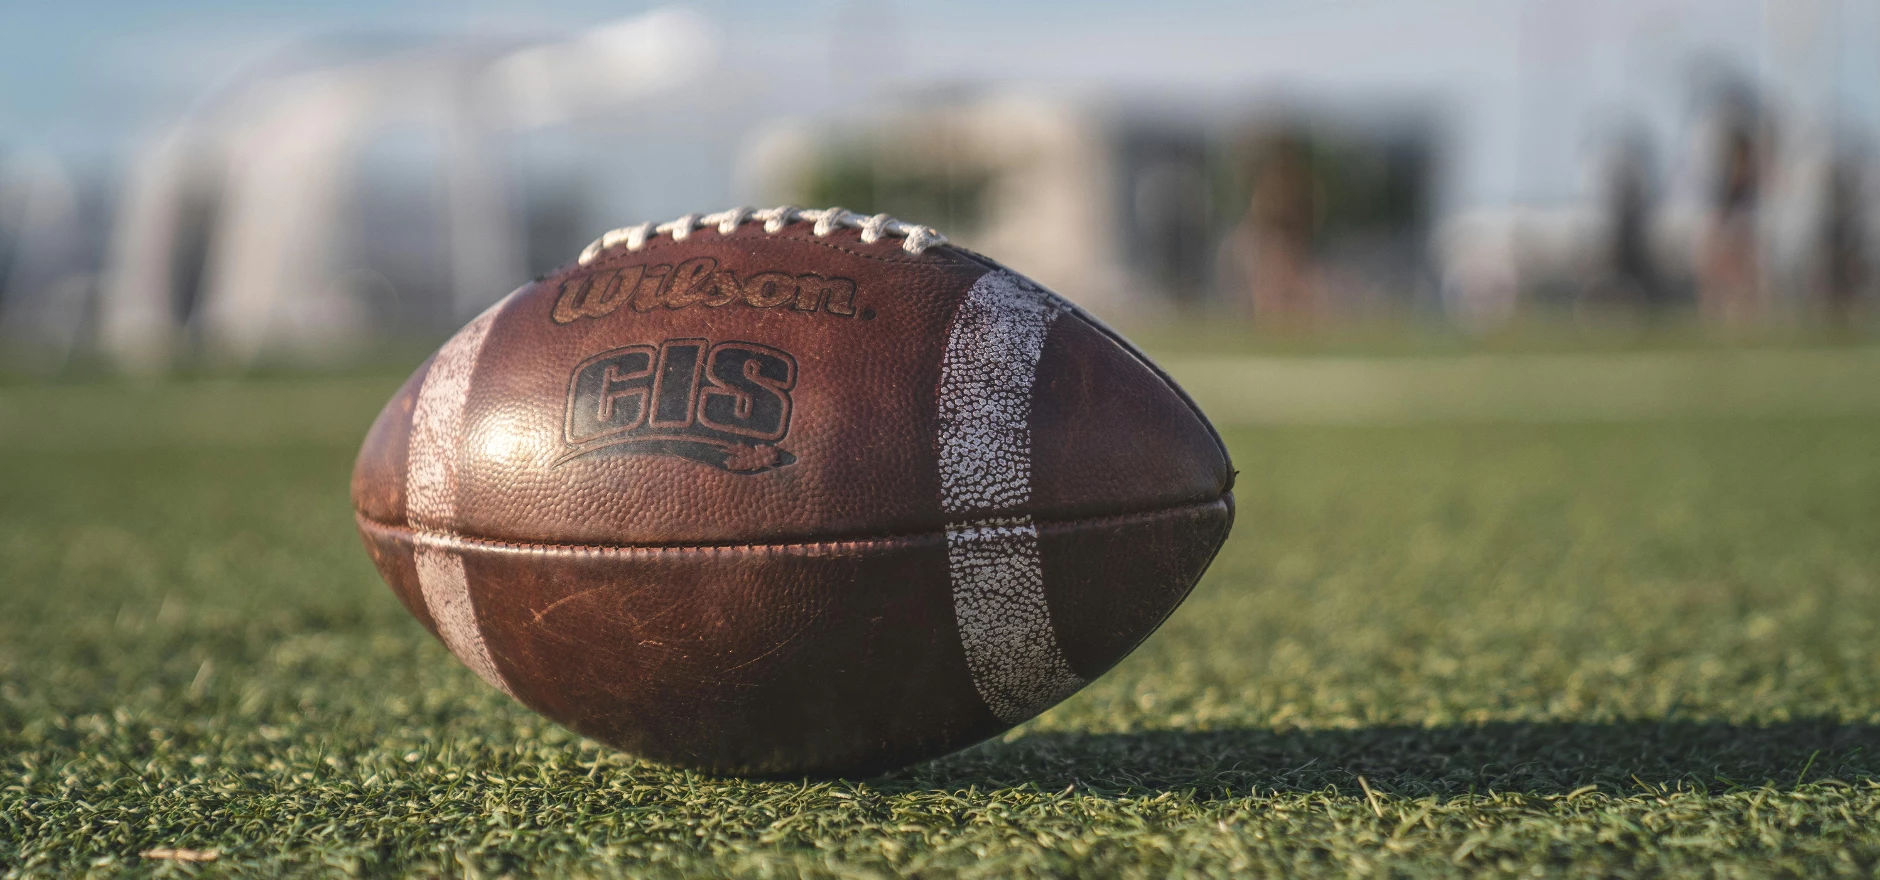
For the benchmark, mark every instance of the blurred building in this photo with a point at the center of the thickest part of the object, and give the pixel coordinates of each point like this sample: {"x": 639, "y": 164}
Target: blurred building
{"x": 1471, "y": 160}
{"x": 363, "y": 193}
{"x": 1139, "y": 207}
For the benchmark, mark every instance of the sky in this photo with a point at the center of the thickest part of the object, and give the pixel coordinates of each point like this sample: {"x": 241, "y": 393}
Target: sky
{"x": 1524, "y": 83}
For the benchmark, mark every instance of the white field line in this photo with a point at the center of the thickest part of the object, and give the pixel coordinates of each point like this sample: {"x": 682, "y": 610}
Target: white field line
{"x": 1531, "y": 388}
{"x": 1232, "y": 389}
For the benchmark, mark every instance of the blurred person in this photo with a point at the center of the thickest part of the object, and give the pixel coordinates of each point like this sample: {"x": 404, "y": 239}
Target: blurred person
{"x": 1632, "y": 275}
{"x": 1843, "y": 239}
{"x": 1729, "y": 271}
{"x": 1170, "y": 222}
{"x": 1273, "y": 241}
{"x": 1481, "y": 269}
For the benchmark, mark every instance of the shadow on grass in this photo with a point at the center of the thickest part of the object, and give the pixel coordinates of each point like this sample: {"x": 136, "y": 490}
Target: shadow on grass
{"x": 1534, "y": 758}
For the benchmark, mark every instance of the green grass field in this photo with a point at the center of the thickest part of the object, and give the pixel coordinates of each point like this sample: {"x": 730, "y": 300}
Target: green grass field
{"x": 1529, "y": 628}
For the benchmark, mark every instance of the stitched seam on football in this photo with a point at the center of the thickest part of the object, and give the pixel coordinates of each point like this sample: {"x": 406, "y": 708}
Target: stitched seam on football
{"x": 936, "y": 536}
{"x": 608, "y": 259}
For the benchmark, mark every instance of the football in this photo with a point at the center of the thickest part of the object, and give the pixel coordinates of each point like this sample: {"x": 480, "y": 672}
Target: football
{"x": 789, "y": 492}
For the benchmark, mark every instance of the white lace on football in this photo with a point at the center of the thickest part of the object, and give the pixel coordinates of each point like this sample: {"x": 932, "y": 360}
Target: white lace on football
{"x": 917, "y": 237}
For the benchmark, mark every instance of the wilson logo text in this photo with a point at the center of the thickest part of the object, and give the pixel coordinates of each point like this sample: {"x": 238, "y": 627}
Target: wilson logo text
{"x": 699, "y": 282}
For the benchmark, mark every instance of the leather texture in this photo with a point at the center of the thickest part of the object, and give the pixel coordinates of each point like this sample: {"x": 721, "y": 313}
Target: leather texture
{"x": 695, "y": 496}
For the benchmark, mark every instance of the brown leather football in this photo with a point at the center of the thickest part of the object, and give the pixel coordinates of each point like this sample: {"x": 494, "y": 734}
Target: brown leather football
{"x": 790, "y": 492}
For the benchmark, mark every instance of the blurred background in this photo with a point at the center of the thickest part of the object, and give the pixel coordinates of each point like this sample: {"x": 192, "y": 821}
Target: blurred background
{"x": 211, "y": 182}
{"x": 1543, "y": 333}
